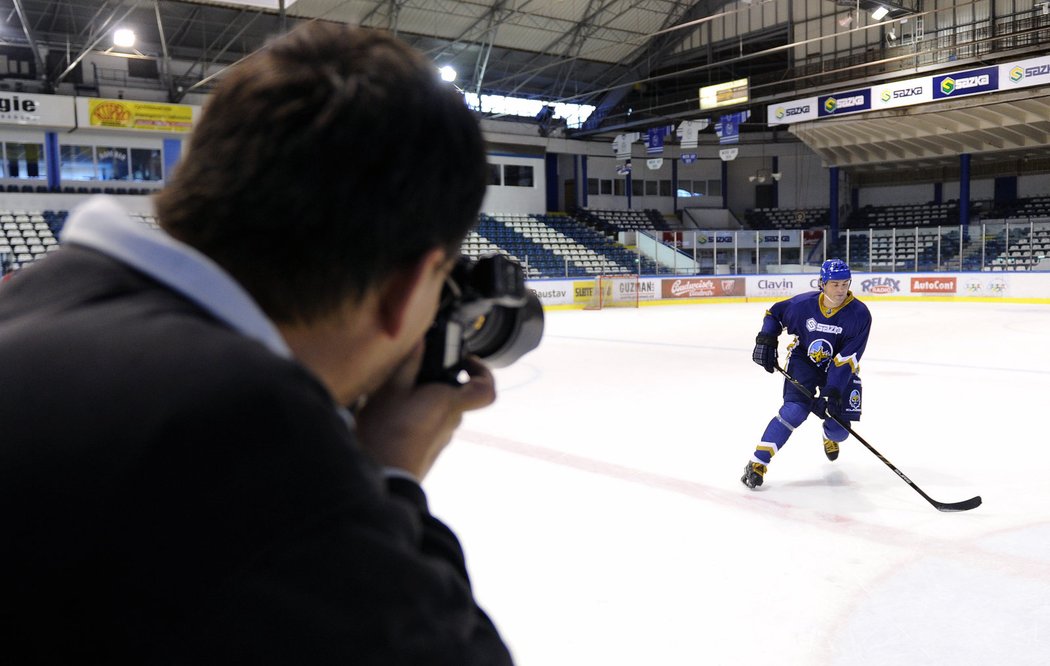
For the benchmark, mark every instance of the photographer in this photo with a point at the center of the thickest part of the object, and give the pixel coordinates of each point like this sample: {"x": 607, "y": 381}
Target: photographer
{"x": 180, "y": 481}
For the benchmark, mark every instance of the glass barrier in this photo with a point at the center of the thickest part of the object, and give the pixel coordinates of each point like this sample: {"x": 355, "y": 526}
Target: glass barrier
{"x": 990, "y": 245}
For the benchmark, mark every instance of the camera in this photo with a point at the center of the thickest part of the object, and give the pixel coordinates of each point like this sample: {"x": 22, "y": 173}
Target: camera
{"x": 485, "y": 310}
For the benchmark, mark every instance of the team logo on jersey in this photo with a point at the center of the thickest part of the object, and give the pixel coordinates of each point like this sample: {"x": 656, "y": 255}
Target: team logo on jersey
{"x": 820, "y": 351}
{"x": 854, "y": 399}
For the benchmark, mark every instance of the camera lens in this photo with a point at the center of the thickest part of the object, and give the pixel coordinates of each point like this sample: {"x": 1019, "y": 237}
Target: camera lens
{"x": 506, "y": 333}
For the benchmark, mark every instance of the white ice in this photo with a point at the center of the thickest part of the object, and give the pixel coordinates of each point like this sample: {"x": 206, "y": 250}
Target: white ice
{"x": 604, "y": 521}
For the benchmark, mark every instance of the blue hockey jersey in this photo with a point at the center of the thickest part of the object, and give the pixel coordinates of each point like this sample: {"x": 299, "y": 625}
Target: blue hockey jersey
{"x": 829, "y": 342}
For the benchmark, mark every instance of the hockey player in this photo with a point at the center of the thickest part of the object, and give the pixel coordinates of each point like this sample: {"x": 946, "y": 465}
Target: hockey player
{"x": 831, "y": 330}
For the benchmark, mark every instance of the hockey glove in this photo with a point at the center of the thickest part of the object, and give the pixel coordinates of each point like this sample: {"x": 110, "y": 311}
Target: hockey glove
{"x": 765, "y": 353}
{"x": 829, "y": 404}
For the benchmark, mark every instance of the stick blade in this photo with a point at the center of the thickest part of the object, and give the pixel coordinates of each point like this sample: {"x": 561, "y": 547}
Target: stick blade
{"x": 965, "y": 505}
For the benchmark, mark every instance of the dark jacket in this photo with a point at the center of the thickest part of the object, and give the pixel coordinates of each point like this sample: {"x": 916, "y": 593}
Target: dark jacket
{"x": 172, "y": 492}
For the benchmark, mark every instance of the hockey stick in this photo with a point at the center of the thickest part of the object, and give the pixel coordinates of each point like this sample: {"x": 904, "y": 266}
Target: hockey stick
{"x": 965, "y": 505}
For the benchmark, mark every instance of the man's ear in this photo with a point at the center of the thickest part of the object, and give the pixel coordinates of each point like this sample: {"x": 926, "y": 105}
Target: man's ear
{"x": 407, "y": 288}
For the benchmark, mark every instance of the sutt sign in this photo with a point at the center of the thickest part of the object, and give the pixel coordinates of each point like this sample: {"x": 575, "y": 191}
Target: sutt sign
{"x": 933, "y": 285}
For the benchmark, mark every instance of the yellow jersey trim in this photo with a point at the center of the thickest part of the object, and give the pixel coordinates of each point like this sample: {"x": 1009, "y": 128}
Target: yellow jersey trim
{"x": 831, "y": 312}
{"x": 850, "y": 360}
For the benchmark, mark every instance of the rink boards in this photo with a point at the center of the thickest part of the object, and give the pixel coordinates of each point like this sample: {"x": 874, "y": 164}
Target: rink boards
{"x": 997, "y": 287}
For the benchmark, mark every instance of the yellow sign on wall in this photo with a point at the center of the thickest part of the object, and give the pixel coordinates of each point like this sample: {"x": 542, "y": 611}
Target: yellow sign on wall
{"x": 149, "y": 116}
{"x": 724, "y": 94}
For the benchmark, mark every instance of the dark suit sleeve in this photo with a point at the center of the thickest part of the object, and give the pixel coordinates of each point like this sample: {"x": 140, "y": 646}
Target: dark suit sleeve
{"x": 345, "y": 567}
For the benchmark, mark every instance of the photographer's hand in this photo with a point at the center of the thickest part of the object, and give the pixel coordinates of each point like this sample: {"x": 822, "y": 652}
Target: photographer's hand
{"x": 406, "y": 425}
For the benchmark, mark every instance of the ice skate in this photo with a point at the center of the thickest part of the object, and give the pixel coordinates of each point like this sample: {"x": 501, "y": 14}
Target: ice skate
{"x": 753, "y": 473}
{"x": 831, "y": 448}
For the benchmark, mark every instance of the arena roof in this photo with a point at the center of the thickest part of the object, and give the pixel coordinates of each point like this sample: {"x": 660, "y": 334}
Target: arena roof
{"x": 573, "y": 49}
{"x": 630, "y": 58}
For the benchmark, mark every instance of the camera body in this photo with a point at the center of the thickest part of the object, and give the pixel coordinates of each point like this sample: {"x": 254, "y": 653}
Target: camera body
{"x": 485, "y": 310}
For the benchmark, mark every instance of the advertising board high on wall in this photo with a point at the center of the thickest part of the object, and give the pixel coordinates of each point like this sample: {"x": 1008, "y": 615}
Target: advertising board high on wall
{"x": 43, "y": 111}
{"x": 142, "y": 116}
{"x": 68, "y": 113}
{"x": 997, "y": 78}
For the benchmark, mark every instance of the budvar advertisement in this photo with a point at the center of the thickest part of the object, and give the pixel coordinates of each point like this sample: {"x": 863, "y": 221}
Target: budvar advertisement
{"x": 147, "y": 116}
{"x": 703, "y": 287}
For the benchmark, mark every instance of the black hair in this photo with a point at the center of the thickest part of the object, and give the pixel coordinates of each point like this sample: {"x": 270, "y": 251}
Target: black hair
{"x": 325, "y": 161}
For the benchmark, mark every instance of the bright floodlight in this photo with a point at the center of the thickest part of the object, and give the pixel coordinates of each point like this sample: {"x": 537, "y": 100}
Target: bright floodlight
{"x": 124, "y": 38}
{"x": 879, "y": 13}
{"x": 447, "y": 74}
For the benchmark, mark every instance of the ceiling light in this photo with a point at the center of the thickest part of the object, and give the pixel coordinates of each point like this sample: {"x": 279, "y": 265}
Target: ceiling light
{"x": 879, "y": 13}
{"x": 124, "y": 38}
{"x": 447, "y": 74}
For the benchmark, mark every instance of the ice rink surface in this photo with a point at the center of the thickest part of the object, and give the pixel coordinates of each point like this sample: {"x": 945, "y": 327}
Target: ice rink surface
{"x": 604, "y": 522}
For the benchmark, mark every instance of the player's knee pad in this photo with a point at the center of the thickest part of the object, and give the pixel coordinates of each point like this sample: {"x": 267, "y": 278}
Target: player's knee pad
{"x": 834, "y": 431}
{"x": 794, "y": 413}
